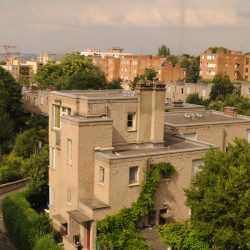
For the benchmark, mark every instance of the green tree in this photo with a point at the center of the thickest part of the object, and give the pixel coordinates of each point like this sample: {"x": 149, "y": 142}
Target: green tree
{"x": 193, "y": 71}
{"x": 185, "y": 63}
{"x": 12, "y": 101}
{"x": 173, "y": 59}
{"x": 181, "y": 236}
{"x": 222, "y": 87}
{"x": 23, "y": 81}
{"x": 30, "y": 141}
{"x": 47, "y": 75}
{"x": 135, "y": 81}
{"x": 114, "y": 84}
{"x": 36, "y": 167}
{"x": 149, "y": 74}
{"x": 196, "y": 99}
{"x": 219, "y": 197}
{"x": 163, "y": 51}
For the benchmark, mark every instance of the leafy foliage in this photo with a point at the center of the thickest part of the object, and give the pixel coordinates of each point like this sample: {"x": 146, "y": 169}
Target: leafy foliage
{"x": 221, "y": 88}
{"x": 182, "y": 237}
{"x": 196, "y": 99}
{"x": 193, "y": 71}
{"x": 219, "y": 197}
{"x": 24, "y": 225}
{"x": 120, "y": 231}
{"x": 75, "y": 72}
{"x": 173, "y": 59}
{"x": 163, "y": 51}
{"x": 149, "y": 74}
{"x": 27, "y": 143}
{"x": 46, "y": 243}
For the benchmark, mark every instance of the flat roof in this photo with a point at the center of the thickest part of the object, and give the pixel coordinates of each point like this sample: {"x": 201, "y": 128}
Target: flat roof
{"x": 173, "y": 144}
{"x": 201, "y": 117}
{"x": 97, "y": 94}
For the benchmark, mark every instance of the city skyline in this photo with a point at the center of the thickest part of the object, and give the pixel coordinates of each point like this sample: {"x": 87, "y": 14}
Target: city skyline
{"x": 138, "y": 27}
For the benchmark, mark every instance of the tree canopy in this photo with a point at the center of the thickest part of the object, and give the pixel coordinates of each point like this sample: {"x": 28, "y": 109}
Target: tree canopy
{"x": 74, "y": 72}
{"x": 219, "y": 197}
{"x": 193, "y": 70}
{"x": 163, "y": 51}
{"x": 221, "y": 88}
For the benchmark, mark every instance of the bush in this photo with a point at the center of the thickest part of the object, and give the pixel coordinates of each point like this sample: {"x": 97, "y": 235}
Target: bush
{"x": 46, "y": 243}
{"x": 182, "y": 237}
{"x": 23, "y": 224}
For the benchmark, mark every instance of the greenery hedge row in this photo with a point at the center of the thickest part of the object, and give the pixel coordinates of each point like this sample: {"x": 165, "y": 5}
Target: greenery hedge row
{"x": 121, "y": 231}
{"x": 27, "y": 229}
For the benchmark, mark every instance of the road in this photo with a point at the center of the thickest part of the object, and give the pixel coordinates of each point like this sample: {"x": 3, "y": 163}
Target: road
{"x": 5, "y": 243}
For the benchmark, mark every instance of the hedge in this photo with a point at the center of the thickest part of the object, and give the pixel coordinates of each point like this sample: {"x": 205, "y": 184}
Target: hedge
{"x": 26, "y": 227}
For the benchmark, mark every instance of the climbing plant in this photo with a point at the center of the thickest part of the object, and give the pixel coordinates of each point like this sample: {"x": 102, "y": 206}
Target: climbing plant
{"x": 121, "y": 231}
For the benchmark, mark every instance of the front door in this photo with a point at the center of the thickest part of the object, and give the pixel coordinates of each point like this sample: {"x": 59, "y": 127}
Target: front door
{"x": 88, "y": 226}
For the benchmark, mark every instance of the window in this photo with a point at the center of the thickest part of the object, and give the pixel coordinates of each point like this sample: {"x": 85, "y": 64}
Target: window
{"x": 69, "y": 151}
{"x": 68, "y": 195}
{"x": 56, "y": 115}
{"x": 196, "y": 164}
{"x": 51, "y": 196}
{"x": 182, "y": 91}
{"x": 247, "y": 61}
{"x": 65, "y": 111}
{"x": 101, "y": 174}
{"x": 133, "y": 175}
{"x": 246, "y": 70}
{"x": 52, "y": 157}
{"x": 191, "y": 136}
{"x": 131, "y": 121}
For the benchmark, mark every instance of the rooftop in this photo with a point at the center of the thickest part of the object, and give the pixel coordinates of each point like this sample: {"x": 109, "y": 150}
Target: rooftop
{"x": 97, "y": 94}
{"x": 201, "y": 117}
{"x": 173, "y": 144}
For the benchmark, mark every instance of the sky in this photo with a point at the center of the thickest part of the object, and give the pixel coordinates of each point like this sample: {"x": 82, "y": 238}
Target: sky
{"x": 138, "y": 26}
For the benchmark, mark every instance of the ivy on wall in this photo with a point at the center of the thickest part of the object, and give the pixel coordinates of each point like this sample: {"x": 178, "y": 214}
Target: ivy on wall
{"x": 121, "y": 231}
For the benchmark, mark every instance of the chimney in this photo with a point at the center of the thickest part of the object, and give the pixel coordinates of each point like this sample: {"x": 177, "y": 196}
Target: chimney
{"x": 231, "y": 111}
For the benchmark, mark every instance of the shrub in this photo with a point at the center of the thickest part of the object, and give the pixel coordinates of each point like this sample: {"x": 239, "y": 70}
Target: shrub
{"x": 182, "y": 237}
{"x": 24, "y": 225}
{"x": 46, "y": 243}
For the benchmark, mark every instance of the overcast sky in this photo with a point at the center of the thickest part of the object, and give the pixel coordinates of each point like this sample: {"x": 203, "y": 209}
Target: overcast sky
{"x": 138, "y": 26}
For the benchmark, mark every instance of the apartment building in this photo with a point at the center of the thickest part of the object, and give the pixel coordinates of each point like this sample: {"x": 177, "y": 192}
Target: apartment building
{"x": 100, "y": 144}
{"x": 222, "y": 61}
{"x": 213, "y": 127}
{"x": 114, "y": 52}
{"x": 46, "y": 57}
{"x": 247, "y": 67}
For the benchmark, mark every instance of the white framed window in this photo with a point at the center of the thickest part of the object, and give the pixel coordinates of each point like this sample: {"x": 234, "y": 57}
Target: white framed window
{"x": 131, "y": 121}
{"x": 52, "y": 158}
{"x": 51, "y": 196}
{"x": 56, "y": 116}
{"x": 68, "y": 195}
{"x": 133, "y": 175}
{"x": 69, "y": 151}
{"x": 101, "y": 174}
{"x": 196, "y": 166}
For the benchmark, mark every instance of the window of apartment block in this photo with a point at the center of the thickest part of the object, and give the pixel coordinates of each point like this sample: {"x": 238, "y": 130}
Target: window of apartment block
{"x": 133, "y": 175}
{"x": 51, "y": 196}
{"x": 191, "y": 136}
{"x": 182, "y": 91}
{"x": 69, "y": 151}
{"x": 56, "y": 116}
{"x": 247, "y": 61}
{"x": 131, "y": 121}
{"x": 196, "y": 164}
{"x": 101, "y": 174}
{"x": 246, "y": 70}
{"x": 52, "y": 157}
{"x": 65, "y": 111}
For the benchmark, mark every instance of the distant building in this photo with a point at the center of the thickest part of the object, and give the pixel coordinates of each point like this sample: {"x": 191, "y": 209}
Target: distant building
{"x": 222, "y": 61}
{"x": 115, "y": 52}
{"x": 46, "y": 57}
{"x": 247, "y": 67}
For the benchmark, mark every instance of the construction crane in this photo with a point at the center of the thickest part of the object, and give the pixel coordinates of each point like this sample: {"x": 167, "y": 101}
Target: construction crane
{"x": 8, "y": 52}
